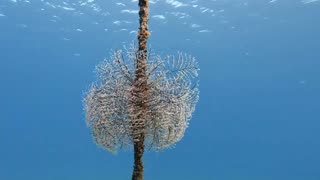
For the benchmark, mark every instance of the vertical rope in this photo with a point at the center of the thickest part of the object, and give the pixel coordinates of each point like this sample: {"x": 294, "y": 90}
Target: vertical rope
{"x": 140, "y": 90}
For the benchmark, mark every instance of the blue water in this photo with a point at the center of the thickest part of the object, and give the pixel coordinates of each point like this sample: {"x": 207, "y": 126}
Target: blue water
{"x": 258, "y": 117}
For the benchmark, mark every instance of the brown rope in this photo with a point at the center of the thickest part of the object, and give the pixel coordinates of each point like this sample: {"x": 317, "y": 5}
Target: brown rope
{"x": 141, "y": 89}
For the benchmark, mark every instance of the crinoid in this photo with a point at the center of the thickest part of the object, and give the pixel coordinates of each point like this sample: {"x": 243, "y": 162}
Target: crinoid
{"x": 141, "y": 99}
{"x": 111, "y": 107}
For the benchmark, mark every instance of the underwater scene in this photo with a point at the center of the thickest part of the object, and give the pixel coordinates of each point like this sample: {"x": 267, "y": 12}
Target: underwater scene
{"x": 160, "y": 89}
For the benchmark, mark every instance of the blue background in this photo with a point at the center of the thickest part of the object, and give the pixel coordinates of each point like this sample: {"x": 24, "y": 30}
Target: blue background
{"x": 259, "y": 109}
